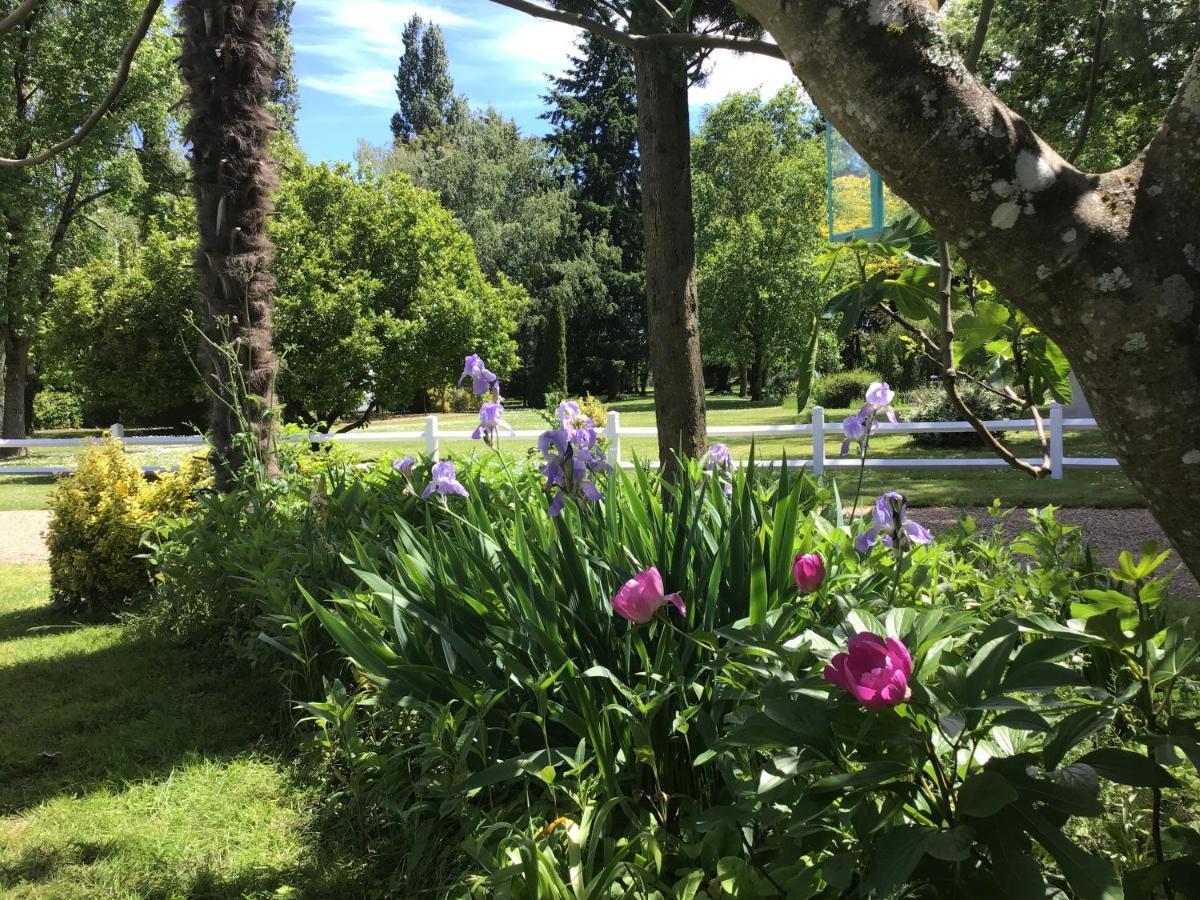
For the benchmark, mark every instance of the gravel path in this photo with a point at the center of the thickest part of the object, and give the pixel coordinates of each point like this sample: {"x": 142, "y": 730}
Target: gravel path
{"x": 1109, "y": 530}
{"x": 21, "y": 538}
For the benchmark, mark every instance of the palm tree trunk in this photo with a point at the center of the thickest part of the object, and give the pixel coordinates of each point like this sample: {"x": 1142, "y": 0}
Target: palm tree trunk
{"x": 229, "y": 72}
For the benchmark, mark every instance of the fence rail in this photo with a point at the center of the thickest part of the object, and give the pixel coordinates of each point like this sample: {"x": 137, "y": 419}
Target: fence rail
{"x": 431, "y": 435}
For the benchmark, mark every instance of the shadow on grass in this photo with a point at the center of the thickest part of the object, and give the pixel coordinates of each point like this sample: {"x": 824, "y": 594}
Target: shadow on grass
{"x": 128, "y": 709}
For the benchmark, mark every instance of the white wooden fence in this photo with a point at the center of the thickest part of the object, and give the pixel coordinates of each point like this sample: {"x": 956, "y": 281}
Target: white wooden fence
{"x": 819, "y": 431}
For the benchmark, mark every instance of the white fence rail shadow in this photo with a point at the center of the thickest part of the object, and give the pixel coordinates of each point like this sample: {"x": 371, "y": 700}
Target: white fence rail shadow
{"x": 819, "y": 431}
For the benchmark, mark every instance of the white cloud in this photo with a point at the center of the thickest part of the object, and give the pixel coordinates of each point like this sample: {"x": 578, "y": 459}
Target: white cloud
{"x": 731, "y": 72}
{"x": 538, "y": 47}
{"x": 370, "y": 87}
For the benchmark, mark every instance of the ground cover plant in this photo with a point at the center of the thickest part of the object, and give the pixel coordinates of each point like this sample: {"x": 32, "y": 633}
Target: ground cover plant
{"x": 576, "y": 682}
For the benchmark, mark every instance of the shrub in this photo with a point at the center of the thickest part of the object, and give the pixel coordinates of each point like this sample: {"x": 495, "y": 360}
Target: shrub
{"x": 54, "y": 410}
{"x": 97, "y": 519}
{"x": 842, "y": 390}
{"x": 930, "y": 404}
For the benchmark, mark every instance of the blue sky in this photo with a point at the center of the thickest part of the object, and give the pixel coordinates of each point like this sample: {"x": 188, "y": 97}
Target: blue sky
{"x": 347, "y": 51}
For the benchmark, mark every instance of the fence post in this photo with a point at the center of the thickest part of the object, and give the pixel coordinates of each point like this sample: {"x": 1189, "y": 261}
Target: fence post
{"x": 431, "y": 436}
{"x": 818, "y": 440}
{"x": 612, "y": 431}
{"x": 1056, "y": 440}
{"x": 117, "y": 431}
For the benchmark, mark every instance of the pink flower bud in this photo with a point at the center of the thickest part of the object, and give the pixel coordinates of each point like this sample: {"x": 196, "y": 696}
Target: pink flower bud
{"x": 874, "y": 670}
{"x": 642, "y": 596}
{"x": 809, "y": 571}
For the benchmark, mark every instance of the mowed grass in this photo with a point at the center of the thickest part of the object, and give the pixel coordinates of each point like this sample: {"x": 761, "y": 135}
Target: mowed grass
{"x": 924, "y": 486}
{"x": 132, "y": 768}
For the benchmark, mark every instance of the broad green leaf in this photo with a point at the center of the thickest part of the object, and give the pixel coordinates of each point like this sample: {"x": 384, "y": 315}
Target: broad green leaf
{"x": 985, "y": 794}
{"x": 893, "y": 857}
{"x": 1127, "y": 767}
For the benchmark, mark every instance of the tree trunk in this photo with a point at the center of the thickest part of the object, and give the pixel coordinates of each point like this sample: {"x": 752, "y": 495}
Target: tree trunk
{"x": 758, "y": 372}
{"x": 743, "y": 381}
{"x": 1107, "y": 265}
{"x": 665, "y": 150}
{"x": 16, "y": 377}
{"x": 229, "y": 72}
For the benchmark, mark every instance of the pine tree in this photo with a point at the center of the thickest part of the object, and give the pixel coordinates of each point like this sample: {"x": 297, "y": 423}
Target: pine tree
{"x": 285, "y": 89}
{"x": 594, "y": 113}
{"x": 424, "y": 88}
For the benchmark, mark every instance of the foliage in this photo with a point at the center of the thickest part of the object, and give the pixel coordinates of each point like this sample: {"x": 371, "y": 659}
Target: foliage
{"x": 509, "y": 195}
{"x": 60, "y": 62}
{"x": 706, "y": 749}
{"x": 97, "y": 518}
{"x": 759, "y": 198}
{"x": 930, "y": 404}
{"x": 285, "y": 88}
{"x": 593, "y": 108}
{"x": 56, "y": 410}
{"x": 378, "y": 291}
{"x": 118, "y": 334}
{"x": 842, "y": 390}
{"x": 424, "y": 88}
{"x": 891, "y": 350}
{"x": 1038, "y": 58}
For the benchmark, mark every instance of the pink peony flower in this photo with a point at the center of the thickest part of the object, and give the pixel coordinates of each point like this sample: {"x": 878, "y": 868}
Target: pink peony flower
{"x": 642, "y": 596}
{"x": 875, "y": 671}
{"x": 809, "y": 571}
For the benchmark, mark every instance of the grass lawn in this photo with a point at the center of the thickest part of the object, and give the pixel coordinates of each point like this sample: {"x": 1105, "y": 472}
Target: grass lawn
{"x": 132, "y": 768}
{"x": 925, "y": 487}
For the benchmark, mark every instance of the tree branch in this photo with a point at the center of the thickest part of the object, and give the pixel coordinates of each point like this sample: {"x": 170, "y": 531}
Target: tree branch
{"x": 18, "y": 15}
{"x": 971, "y": 60}
{"x": 1170, "y": 158}
{"x": 106, "y": 104}
{"x": 660, "y": 39}
{"x": 1089, "y": 104}
{"x": 950, "y": 379}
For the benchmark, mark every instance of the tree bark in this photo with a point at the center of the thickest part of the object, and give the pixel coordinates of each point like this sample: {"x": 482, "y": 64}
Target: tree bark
{"x": 758, "y": 369}
{"x": 1108, "y": 265}
{"x": 229, "y": 72}
{"x": 16, "y": 376}
{"x": 665, "y": 149}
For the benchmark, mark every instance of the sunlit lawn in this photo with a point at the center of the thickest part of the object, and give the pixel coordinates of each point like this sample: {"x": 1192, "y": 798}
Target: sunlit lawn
{"x": 976, "y": 486}
{"x": 130, "y": 767}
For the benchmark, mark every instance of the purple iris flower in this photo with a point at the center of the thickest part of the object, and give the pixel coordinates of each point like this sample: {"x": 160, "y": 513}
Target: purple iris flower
{"x": 481, "y": 379}
{"x": 442, "y": 481}
{"x": 891, "y": 526}
{"x": 572, "y": 458}
{"x": 879, "y": 400}
{"x": 856, "y": 428}
{"x": 720, "y": 460}
{"x": 404, "y": 465}
{"x": 491, "y": 421}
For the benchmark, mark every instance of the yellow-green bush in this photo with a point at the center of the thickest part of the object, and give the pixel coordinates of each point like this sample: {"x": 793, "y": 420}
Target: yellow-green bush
{"x": 97, "y": 519}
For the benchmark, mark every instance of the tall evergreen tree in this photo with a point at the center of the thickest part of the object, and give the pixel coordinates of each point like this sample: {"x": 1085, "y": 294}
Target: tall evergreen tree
{"x": 594, "y": 113}
{"x": 424, "y": 88}
{"x": 285, "y": 90}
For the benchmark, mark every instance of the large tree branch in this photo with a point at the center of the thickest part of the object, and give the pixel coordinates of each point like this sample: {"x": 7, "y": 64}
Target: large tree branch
{"x": 660, "y": 39}
{"x": 1172, "y": 160}
{"x": 971, "y": 60}
{"x": 114, "y": 91}
{"x": 1093, "y": 86}
{"x": 18, "y": 15}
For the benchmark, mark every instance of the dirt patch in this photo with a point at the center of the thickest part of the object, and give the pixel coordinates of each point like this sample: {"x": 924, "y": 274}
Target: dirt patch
{"x": 1109, "y": 531}
{"x": 22, "y": 538}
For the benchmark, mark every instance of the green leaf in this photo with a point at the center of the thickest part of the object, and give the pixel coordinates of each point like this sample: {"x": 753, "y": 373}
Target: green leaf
{"x": 973, "y": 331}
{"x": 894, "y": 856}
{"x": 953, "y": 845}
{"x": 985, "y": 794}
{"x": 1127, "y": 767}
{"x": 1090, "y": 877}
{"x": 1070, "y": 731}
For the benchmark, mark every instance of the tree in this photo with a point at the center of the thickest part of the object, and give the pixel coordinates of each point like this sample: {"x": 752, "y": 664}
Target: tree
{"x": 285, "y": 89}
{"x": 118, "y": 335}
{"x": 1066, "y": 64}
{"x": 57, "y": 61}
{"x": 1105, "y": 264}
{"x": 227, "y": 66}
{"x": 379, "y": 291}
{"x": 424, "y": 88}
{"x": 759, "y": 180}
{"x": 510, "y": 197}
{"x": 668, "y": 48}
{"x": 594, "y": 113}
